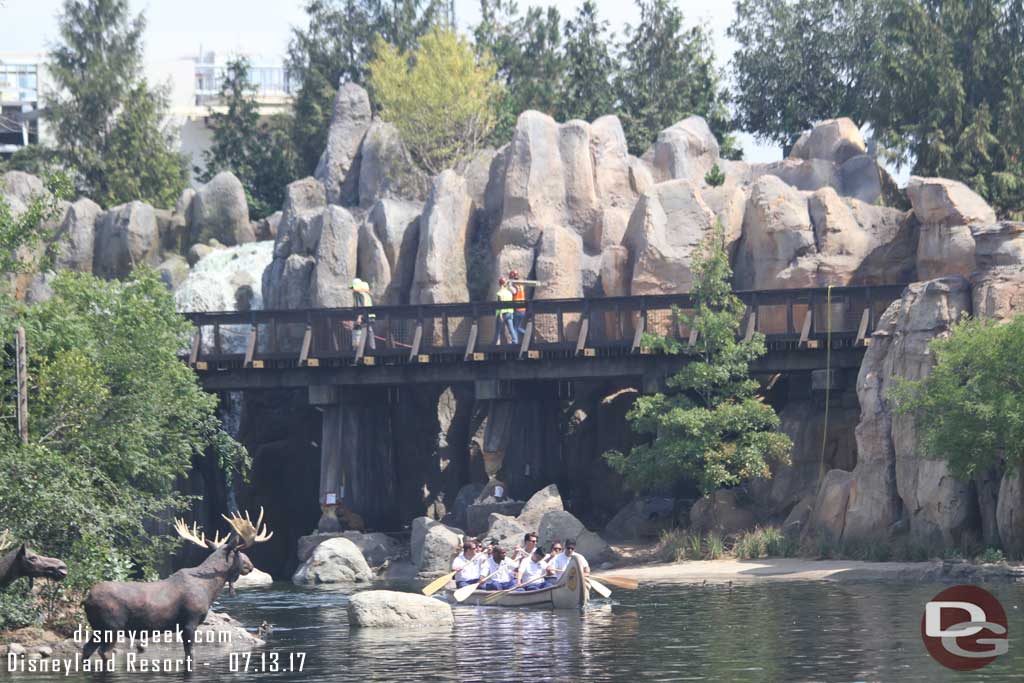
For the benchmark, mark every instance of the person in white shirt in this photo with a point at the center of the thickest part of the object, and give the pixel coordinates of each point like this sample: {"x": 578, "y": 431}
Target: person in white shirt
{"x": 526, "y": 550}
{"x": 502, "y": 571}
{"x": 468, "y": 566}
{"x": 533, "y": 571}
{"x": 560, "y": 561}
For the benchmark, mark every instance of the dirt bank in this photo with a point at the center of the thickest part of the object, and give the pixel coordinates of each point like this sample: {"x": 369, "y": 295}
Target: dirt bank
{"x": 793, "y": 569}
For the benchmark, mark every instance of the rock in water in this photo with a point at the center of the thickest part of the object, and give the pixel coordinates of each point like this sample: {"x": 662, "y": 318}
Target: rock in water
{"x": 220, "y": 212}
{"x": 337, "y": 560}
{"x": 254, "y": 579}
{"x": 434, "y": 545}
{"x": 338, "y": 169}
{"x": 392, "y": 609}
{"x": 548, "y": 499}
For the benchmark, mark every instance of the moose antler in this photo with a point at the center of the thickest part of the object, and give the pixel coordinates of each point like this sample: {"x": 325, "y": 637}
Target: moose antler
{"x": 248, "y": 532}
{"x": 5, "y": 540}
{"x": 194, "y": 535}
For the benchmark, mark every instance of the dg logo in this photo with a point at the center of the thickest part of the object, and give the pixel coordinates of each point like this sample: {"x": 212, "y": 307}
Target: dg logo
{"x": 964, "y": 628}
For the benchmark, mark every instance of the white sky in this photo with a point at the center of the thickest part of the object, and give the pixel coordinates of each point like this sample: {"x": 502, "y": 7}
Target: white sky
{"x": 261, "y": 28}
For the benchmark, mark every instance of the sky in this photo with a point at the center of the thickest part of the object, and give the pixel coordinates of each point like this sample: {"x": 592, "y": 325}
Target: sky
{"x": 261, "y": 29}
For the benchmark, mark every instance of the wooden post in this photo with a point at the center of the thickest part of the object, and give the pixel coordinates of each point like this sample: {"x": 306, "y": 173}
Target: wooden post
{"x": 22, "y": 378}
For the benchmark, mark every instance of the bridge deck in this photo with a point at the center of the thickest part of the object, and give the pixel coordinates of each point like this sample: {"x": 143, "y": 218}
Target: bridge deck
{"x": 564, "y": 339}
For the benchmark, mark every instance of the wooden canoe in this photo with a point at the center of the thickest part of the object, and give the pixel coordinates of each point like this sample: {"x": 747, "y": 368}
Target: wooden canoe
{"x": 570, "y": 592}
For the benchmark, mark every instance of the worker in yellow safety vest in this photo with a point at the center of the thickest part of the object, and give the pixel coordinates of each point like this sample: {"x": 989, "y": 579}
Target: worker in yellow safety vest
{"x": 504, "y": 315}
{"x": 362, "y": 299}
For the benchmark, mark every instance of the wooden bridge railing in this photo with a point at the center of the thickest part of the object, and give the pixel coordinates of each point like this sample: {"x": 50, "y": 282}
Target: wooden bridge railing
{"x": 794, "y": 318}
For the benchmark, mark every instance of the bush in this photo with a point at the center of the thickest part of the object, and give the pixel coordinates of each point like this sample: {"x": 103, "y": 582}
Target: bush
{"x": 991, "y": 555}
{"x": 715, "y": 177}
{"x": 440, "y": 96}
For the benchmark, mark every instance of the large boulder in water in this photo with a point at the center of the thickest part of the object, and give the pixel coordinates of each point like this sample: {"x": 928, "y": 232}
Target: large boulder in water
{"x": 376, "y": 547}
{"x": 255, "y": 579}
{"x": 506, "y": 530}
{"x": 434, "y": 545}
{"x": 338, "y": 168}
{"x": 220, "y": 212}
{"x": 392, "y": 609}
{"x": 126, "y": 236}
{"x": 560, "y": 525}
{"x": 337, "y": 560}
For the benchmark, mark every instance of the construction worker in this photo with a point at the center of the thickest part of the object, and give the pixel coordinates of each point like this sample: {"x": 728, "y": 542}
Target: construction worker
{"x": 518, "y": 295}
{"x": 504, "y": 315}
{"x": 361, "y": 294}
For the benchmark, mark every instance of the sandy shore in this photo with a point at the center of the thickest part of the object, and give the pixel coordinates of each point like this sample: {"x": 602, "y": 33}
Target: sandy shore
{"x": 781, "y": 569}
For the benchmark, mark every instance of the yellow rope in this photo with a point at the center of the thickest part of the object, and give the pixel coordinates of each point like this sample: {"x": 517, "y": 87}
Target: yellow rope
{"x": 828, "y": 380}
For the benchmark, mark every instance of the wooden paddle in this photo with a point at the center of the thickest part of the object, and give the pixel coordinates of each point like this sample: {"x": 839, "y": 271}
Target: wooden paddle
{"x": 467, "y": 590}
{"x": 621, "y": 582}
{"x": 438, "y": 583}
{"x": 491, "y": 598}
{"x": 599, "y": 587}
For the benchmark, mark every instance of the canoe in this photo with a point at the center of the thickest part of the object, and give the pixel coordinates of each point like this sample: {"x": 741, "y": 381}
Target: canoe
{"x": 570, "y": 592}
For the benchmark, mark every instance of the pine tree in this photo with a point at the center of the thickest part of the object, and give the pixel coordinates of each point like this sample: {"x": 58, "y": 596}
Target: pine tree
{"x": 108, "y": 123}
{"x": 668, "y": 73}
{"x": 711, "y": 427}
{"x": 587, "y": 91}
{"x": 258, "y": 152}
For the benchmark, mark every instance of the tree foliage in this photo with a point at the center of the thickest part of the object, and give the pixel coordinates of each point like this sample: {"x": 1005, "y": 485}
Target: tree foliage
{"x": 939, "y": 83}
{"x": 711, "y": 427}
{"x": 337, "y": 47}
{"x": 667, "y": 73}
{"x": 108, "y": 123}
{"x": 588, "y": 91}
{"x": 258, "y": 152}
{"x": 441, "y": 96}
{"x": 969, "y": 410}
{"x": 23, "y": 231}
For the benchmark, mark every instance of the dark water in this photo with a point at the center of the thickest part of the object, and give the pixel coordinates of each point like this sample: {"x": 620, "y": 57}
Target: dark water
{"x": 793, "y": 631}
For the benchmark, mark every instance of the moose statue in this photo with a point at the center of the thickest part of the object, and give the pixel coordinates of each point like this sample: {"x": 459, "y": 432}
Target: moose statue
{"x": 181, "y": 600}
{"x": 21, "y": 561}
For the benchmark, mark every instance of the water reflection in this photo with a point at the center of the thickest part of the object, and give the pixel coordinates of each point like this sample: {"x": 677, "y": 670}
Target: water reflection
{"x": 757, "y": 631}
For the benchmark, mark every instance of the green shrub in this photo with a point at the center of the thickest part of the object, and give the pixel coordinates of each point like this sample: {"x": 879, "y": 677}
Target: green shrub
{"x": 991, "y": 555}
{"x": 715, "y": 177}
{"x": 715, "y": 545}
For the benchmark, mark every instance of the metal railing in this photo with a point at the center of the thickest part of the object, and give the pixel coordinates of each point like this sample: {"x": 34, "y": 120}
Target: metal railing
{"x": 789, "y": 319}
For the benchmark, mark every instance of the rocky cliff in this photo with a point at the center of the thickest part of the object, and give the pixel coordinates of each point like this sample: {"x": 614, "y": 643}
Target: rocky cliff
{"x": 566, "y": 204}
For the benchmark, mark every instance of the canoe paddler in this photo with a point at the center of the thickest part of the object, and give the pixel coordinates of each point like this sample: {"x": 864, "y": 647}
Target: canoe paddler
{"x": 524, "y": 551}
{"x": 533, "y": 571}
{"x": 468, "y": 565}
{"x": 560, "y": 561}
{"x": 501, "y": 570}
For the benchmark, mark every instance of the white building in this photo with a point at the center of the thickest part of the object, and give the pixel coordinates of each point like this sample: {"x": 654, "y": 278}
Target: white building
{"x": 193, "y": 88}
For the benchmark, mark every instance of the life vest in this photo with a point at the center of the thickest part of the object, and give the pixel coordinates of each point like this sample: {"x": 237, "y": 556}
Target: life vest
{"x": 504, "y": 295}
{"x": 519, "y": 295}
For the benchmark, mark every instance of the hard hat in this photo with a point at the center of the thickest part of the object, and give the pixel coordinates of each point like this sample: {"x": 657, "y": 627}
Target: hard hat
{"x": 359, "y": 285}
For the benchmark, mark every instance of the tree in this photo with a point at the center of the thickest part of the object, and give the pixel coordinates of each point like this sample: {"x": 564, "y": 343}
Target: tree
{"x": 258, "y": 152}
{"x": 23, "y": 231}
{"x": 969, "y": 410}
{"x": 527, "y": 51}
{"x": 712, "y": 427}
{"x": 440, "y": 96}
{"x": 107, "y": 122}
{"x": 337, "y": 47}
{"x": 668, "y": 73}
{"x": 588, "y": 91}
{"x": 115, "y": 420}
{"x": 938, "y": 83}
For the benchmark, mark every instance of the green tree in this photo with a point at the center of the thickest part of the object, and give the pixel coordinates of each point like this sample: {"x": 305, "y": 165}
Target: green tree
{"x": 115, "y": 420}
{"x": 969, "y": 410}
{"x": 668, "y": 73}
{"x": 22, "y": 232}
{"x": 107, "y": 122}
{"x": 711, "y": 428}
{"x": 588, "y": 91}
{"x": 938, "y": 83}
{"x": 440, "y": 96}
{"x": 337, "y": 47}
{"x": 258, "y": 152}
{"x": 527, "y": 51}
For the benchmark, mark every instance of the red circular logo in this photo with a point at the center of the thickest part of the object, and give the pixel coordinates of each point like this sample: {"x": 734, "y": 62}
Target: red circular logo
{"x": 964, "y": 628}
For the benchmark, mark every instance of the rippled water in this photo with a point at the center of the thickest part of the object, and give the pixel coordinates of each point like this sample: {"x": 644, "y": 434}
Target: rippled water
{"x": 757, "y": 631}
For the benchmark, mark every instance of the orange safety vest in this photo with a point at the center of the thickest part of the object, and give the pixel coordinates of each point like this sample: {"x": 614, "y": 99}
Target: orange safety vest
{"x": 519, "y": 295}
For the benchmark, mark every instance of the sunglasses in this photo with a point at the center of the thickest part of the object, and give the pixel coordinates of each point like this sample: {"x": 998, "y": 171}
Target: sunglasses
{"x": 557, "y": 547}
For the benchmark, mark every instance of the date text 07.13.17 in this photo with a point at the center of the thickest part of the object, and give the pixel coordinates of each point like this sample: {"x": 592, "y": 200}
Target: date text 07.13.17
{"x": 270, "y": 662}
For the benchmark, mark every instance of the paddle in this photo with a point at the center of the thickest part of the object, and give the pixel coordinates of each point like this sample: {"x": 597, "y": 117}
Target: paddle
{"x": 438, "y": 584}
{"x": 621, "y": 582}
{"x": 491, "y": 598}
{"x": 599, "y": 587}
{"x": 467, "y": 590}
